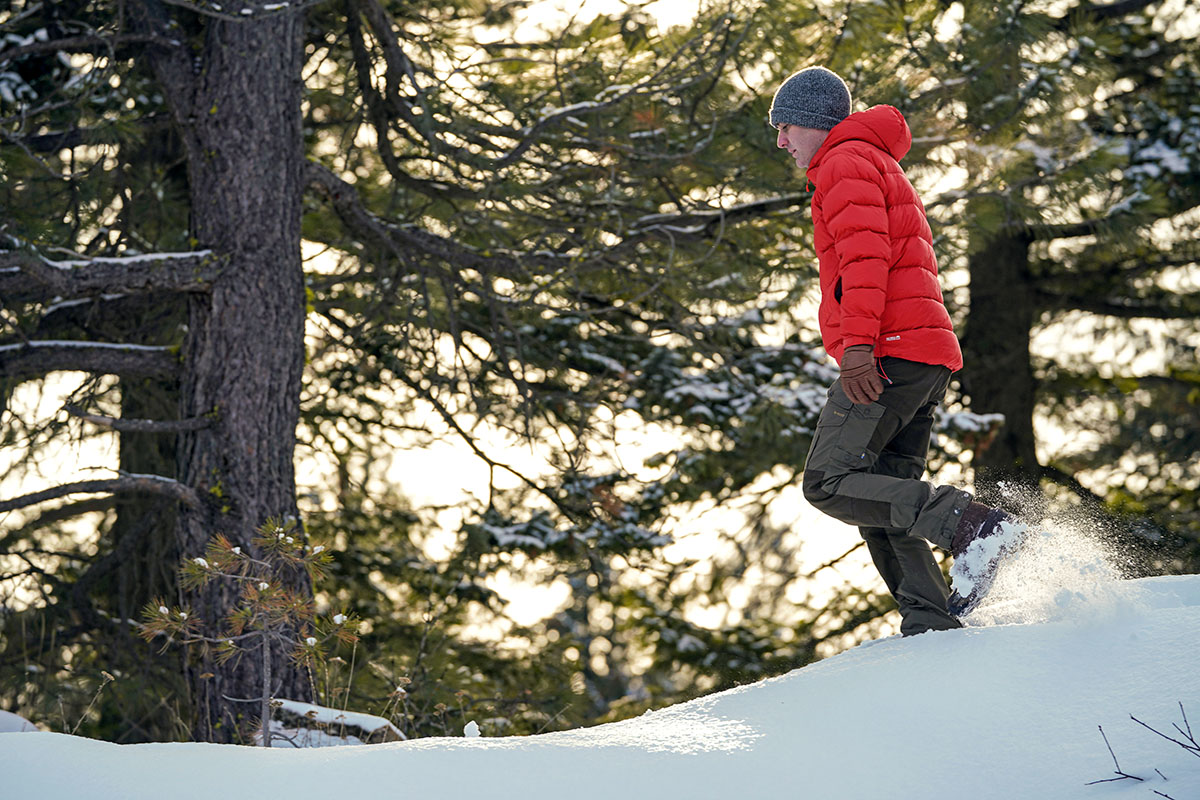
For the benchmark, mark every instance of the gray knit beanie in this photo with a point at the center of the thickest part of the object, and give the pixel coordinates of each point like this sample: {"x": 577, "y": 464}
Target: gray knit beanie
{"x": 811, "y": 98}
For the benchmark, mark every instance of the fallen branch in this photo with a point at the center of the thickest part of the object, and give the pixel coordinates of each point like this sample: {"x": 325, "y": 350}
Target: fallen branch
{"x": 131, "y": 482}
{"x": 1122, "y": 776}
{"x": 1186, "y": 732}
{"x": 1189, "y": 744}
{"x": 141, "y": 425}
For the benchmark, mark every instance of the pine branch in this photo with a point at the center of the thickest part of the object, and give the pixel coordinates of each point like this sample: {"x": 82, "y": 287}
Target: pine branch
{"x": 401, "y": 240}
{"x": 57, "y": 514}
{"x": 131, "y": 482}
{"x": 29, "y": 276}
{"x": 141, "y": 425}
{"x": 1168, "y": 305}
{"x": 837, "y": 560}
{"x": 1090, "y": 227}
{"x": 393, "y": 105}
{"x": 384, "y": 110}
{"x": 698, "y": 222}
{"x": 54, "y": 141}
{"x": 86, "y": 43}
{"x": 672, "y": 76}
{"x": 1073, "y": 230}
{"x": 244, "y": 11}
{"x": 1095, "y": 12}
{"x": 32, "y": 359}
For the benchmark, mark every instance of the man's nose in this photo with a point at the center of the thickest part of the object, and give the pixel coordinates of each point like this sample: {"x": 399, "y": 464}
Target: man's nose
{"x": 780, "y": 141}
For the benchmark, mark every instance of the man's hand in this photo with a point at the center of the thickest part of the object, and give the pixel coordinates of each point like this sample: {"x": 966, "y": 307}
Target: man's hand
{"x": 860, "y": 380}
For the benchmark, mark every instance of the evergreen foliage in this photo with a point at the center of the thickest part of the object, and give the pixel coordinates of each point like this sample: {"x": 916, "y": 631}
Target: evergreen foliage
{"x": 269, "y": 619}
{"x": 557, "y": 241}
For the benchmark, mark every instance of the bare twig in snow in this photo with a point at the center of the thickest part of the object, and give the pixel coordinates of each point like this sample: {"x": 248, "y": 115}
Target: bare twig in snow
{"x": 1121, "y": 775}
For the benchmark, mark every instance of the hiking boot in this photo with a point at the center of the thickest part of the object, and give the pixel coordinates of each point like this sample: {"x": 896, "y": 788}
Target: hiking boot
{"x": 984, "y": 537}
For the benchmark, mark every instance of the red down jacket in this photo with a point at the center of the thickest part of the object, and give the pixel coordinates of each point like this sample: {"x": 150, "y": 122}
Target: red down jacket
{"x": 879, "y": 283}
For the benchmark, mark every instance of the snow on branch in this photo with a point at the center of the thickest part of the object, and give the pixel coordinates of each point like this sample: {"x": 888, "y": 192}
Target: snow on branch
{"x": 129, "y": 482}
{"x": 141, "y": 425}
{"x": 30, "y": 359}
{"x": 23, "y": 274}
{"x": 241, "y": 10}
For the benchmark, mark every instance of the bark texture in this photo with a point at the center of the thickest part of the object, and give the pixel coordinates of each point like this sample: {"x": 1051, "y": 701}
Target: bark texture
{"x": 998, "y": 376}
{"x": 239, "y": 107}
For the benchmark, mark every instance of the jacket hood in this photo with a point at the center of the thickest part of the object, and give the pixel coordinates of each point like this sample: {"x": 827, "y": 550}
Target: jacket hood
{"x": 880, "y": 126}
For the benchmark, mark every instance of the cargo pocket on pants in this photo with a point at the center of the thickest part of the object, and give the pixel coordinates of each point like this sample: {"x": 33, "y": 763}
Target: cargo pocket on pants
{"x": 851, "y": 428}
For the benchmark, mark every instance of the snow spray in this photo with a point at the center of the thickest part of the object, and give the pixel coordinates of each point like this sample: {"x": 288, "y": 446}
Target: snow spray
{"x": 1067, "y": 569}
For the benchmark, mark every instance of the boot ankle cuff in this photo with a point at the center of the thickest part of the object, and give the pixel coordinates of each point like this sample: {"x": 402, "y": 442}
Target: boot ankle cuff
{"x": 970, "y": 521}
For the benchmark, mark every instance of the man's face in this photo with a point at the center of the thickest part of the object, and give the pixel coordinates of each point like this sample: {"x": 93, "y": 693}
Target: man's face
{"x": 801, "y": 143}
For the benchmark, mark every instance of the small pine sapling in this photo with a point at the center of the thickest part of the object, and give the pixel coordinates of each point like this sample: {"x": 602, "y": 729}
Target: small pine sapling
{"x": 267, "y": 614}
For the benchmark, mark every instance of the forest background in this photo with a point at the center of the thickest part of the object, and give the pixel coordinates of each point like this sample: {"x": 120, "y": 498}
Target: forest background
{"x": 271, "y": 259}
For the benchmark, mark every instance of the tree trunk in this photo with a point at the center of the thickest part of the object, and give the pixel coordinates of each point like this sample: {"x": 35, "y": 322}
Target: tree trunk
{"x": 244, "y": 350}
{"x": 145, "y": 525}
{"x": 998, "y": 377}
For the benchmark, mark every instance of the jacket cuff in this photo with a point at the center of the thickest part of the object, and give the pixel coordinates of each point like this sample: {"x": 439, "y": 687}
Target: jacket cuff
{"x": 857, "y": 341}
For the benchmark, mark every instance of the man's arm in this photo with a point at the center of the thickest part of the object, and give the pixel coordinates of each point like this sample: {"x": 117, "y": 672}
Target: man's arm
{"x": 856, "y": 217}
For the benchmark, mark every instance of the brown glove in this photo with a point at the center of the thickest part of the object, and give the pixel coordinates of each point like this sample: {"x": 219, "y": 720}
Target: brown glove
{"x": 860, "y": 380}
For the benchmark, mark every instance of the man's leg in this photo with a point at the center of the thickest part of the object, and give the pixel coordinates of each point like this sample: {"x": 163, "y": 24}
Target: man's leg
{"x": 912, "y": 574}
{"x": 840, "y": 476}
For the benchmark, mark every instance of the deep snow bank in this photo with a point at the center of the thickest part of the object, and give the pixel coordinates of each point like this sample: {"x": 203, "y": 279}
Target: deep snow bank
{"x": 1002, "y": 711}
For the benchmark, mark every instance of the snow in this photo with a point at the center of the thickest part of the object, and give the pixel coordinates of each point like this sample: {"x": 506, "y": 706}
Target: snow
{"x": 972, "y": 564}
{"x": 14, "y": 723}
{"x": 968, "y": 422}
{"x": 126, "y": 260}
{"x": 1046, "y": 158}
{"x": 63, "y": 304}
{"x": 611, "y": 364}
{"x": 988, "y": 711}
{"x": 333, "y": 716}
{"x": 700, "y": 390}
{"x": 1167, "y": 157}
{"x": 83, "y": 343}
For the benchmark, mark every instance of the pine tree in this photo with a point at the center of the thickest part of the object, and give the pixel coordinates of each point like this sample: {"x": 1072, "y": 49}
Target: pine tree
{"x": 553, "y": 240}
{"x": 267, "y": 616}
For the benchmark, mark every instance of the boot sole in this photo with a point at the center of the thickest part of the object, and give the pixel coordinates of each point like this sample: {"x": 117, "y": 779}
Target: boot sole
{"x": 1009, "y": 543}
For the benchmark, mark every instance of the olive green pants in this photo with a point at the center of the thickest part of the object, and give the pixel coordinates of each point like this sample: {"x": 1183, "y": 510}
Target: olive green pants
{"x": 864, "y": 468}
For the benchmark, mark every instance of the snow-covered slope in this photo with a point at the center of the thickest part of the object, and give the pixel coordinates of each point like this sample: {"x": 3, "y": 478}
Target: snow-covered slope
{"x": 999, "y": 711}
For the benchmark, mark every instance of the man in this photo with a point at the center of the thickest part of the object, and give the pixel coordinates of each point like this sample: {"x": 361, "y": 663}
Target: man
{"x": 883, "y": 320}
